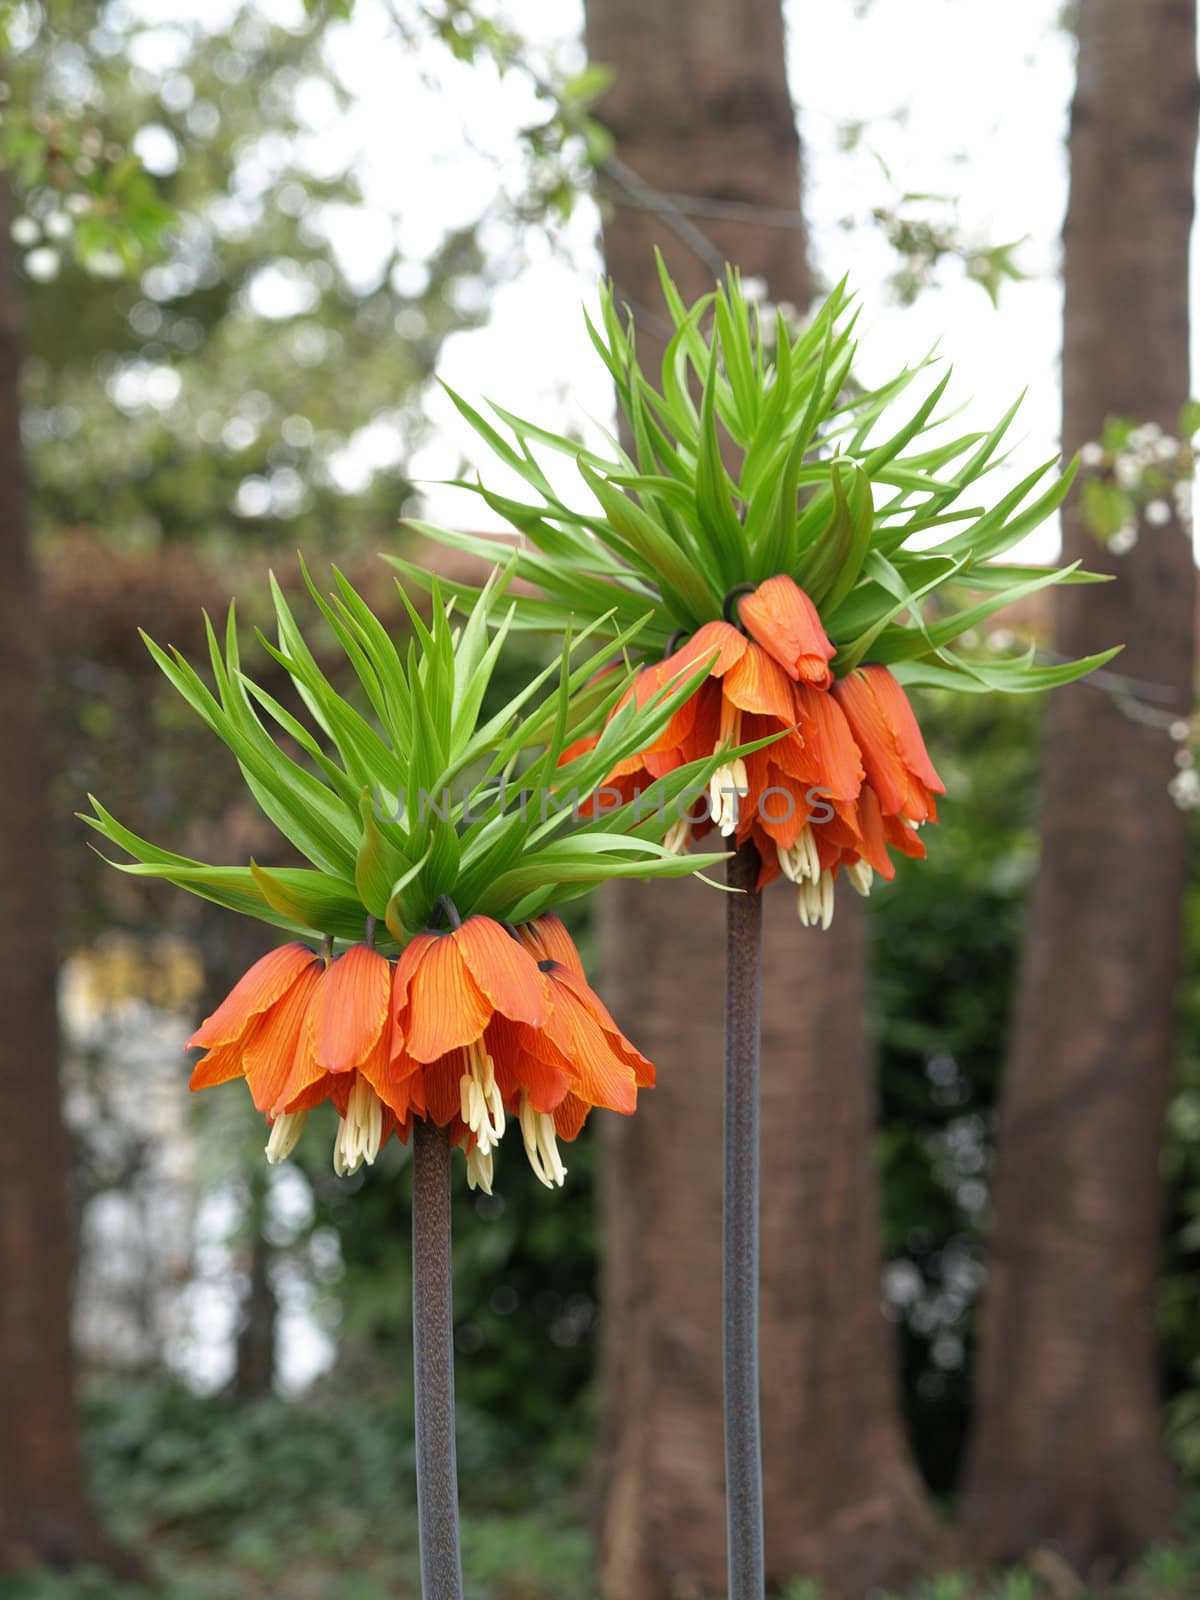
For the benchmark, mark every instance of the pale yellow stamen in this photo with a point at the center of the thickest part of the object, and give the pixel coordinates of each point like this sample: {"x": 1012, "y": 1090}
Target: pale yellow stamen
{"x": 479, "y": 1170}
{"x": 814, "y": 902}
{"x": 729, "y": 782}
{"x": 541, "y": 1146}
{"x": 800, "y": 863}
{"x": 360, "y": 1131}
{"x": 480, "y": 1102}
{"x": 678, "y": 837}
{"x": 285, "y": 1135}
{"x": 861, "y": 875}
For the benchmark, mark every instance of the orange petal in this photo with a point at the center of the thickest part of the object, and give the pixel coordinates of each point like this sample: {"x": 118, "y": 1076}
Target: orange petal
{"x": 218, "y": 1066}
{"x": 842, "y": 828}
{"x": 758, "y": 780}
{"x": 523, "y": 1060}
{"x": 757, "y": 683}
{"x": 411, "y": 956}
{"x": 881, "y": 758}
{"x": 313, "y": 1092}
{"x": 828, "y": 742}
{"x": 637, "y": 771}
{"x": 271, "y": 1054}
{"x": 784, "y": 621}
{"x": 254, "y": 992}
{"x": 416, "y": 1091}
{"x": 507, "y": 975}
{"x": 649, "y": 682}
{"x": 782, "y": 807}
{"x": 627, "y": 779}
{"x": 830, "y": 854}
{"x": 768, "y": 857}
{"x": 446, "y": 1008}
{"x": 661, "y": 762}
{"x": 901, "y": 719}
{"x": 682, "y": 719}
{"x": 903, "y": 838}
{"x": 705, "y": 734}
{"x": 572, "y": 998}
{"x": 718, "y": 641}
{"x": 893, "y": 751}
{"x": 341, "y": 1086}
{"x": 599, "y": 1075}
{"x": 788, "y": 753}
{"x": 873, "y": 849}
{"x": 570, "y": 1117}
{"x": 548, "y": 936}
{"x": 460, "y": 1134}
{"x": 304, "y": 1071}
{"x": 355, "y": 996}
{"x": 645, "y": 1073}
{"x": 633, "y": 766}
{"x": 390, "y": 1076}
{"x": 443, "y": 1096}
{"x": 587, "y": 997}
{"x": 581, "y": 747}
{"x": 645, "y": 683}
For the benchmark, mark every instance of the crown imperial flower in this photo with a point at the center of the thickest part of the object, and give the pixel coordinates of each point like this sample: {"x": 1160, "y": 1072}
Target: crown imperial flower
{"x": 410, "y": 1010}
{"x": 838, "y": 773}
{"x": 472, "y": 1026}
{"x": 775, "y": 516}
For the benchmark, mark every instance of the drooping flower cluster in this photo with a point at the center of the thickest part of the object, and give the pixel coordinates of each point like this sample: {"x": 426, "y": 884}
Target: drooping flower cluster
{"x": 472, "y": 1025}
{"x": 845, "y": 776}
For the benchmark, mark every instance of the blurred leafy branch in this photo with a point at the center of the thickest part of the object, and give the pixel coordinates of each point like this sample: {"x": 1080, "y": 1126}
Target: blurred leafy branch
{"x": 1136, "y": 474}
{"x": 570, "y": 148}
{"x": 102, "y": 198}
{"x": 249, "y": 379}
{"x": 564, "y": 147}
{"x": 90, "y": 190}
{"x": 925, "y": 241}
{"x": 925, "y": 231}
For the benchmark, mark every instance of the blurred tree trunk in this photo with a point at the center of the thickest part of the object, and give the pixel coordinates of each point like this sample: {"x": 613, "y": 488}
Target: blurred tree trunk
{"x": 254, "y": 1375}
{"x": 1067, "y": 1448}
{"x": 44, "y": 1513}
{"x": 700, "y": 106}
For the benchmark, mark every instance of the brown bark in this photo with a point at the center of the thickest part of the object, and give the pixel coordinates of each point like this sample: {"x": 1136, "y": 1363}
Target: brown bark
{"x": 44, "y": 1513}
{"x": 1067, "y": 1449}
{"x": 700, "y": 106}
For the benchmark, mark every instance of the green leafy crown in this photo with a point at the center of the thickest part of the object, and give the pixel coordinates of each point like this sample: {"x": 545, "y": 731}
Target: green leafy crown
{"x": 420, "y": 795}
{"x": 757, "y": 454}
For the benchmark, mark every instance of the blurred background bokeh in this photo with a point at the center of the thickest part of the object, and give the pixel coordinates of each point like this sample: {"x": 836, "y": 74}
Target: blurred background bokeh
{"x": 243, "y": 241}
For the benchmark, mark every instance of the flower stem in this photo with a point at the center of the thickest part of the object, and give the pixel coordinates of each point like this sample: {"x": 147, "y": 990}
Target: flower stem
{"x": 743, "y": 1448}
{"x": 433, "y": 1365}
